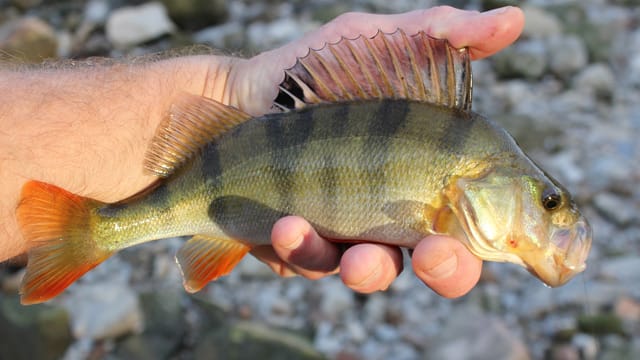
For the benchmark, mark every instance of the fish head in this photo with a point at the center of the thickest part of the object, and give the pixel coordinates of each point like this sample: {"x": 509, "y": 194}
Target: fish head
{"x": 523, "y": 219}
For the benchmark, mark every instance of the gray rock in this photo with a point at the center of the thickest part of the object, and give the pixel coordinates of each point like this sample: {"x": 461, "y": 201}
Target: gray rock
{"x": 616, "y": 347}
{"x": 597, "y": 79}
{"x": 628, "y": 309}
{"x": 29, "y": 40}
{"x": 625, "y": 269}
{"x": 26, "y": 4}
{"x": 263, "y": 36}
{"x": 602, "y": 29}
{"x": 254, "y": 268}
{"x": 587, "y": 346}
{"x": 538, "y": 300}
{"x": 227, "y": 36}
{"x": 105, "y": 310}
{"x": 563, "y": 352}
{"x": 615, "y": 209}
{"x": 246, "y": 340}
{"x": 129, "y": 26}
{"x": 540, "y": 23}
{"x": 605, "y": 172}
{"x": 197, "y": 14}
{"x": 470, "y": 334}
{"x": 164, "y": 327}
{"x": 146, "y": 347}
{"x": 163, "y": 313}
{"x": 567, "y": 55}
{"x": 527, "y": 59}
{"x": 96, "y": 11}
{"x": 336, "y": 299}
{"x": 32, "y": 332}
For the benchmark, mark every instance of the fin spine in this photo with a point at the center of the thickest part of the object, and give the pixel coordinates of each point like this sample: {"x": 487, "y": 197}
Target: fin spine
{"x": 385, "y": 66}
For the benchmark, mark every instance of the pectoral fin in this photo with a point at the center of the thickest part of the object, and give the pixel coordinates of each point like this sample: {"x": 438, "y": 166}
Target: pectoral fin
{"x": 415, "y": 215}
{"x": 203, "y": 259}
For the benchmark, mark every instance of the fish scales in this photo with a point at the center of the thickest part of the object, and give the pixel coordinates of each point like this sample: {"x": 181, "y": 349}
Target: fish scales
{"x": 362, "y": 168}
{"x": 403, "y": 158}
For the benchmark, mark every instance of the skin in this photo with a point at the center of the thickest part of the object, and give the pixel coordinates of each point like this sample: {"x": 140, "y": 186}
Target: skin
{"x": 62, "y": 126}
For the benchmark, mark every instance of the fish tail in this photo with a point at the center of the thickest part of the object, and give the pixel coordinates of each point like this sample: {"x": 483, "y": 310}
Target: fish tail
{"x": 57, "y": 227}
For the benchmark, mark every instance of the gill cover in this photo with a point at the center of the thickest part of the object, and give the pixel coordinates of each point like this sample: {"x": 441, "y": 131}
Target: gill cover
{"x": 505, "y": 218}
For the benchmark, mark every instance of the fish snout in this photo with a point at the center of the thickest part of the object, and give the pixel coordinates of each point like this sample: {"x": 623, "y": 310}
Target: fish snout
{"x": 569, "y": 249}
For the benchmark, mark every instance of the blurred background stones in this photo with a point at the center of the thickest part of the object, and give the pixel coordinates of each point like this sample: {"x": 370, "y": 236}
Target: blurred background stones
{"x": 568, "y": 91}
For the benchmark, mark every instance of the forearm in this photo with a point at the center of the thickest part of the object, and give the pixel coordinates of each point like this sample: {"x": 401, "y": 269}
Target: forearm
{"x": 86, "y": 128}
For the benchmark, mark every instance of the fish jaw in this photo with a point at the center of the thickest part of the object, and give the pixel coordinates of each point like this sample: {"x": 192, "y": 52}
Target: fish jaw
{"x": 566, "y": 256}
{"x": 502, "y": 223}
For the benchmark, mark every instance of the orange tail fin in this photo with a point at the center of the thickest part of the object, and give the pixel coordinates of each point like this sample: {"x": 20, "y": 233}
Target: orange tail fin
{"x": 56, "y": 225}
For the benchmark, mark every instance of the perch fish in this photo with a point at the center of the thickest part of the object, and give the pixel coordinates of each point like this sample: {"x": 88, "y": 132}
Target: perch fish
{"x": 375, "y": 141}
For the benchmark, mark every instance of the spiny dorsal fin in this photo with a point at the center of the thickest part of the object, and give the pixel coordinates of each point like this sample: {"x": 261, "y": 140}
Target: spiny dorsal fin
{"x": 396, "y": 66}
{"x": 192, "y": 122}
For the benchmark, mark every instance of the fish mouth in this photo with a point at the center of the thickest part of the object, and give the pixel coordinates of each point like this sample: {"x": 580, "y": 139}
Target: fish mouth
{"x": 557, "y": 255}
{"x": 567, "y": 254}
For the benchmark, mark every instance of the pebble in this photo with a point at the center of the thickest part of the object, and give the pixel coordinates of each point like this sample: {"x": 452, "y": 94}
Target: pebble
{"x": 567, "y": 55}
{"x": 540, "y": 23}
{"x": 469, "y": 334}
{"x": 129, "y": 26}
{"x": 196, "y": 14}
{"x": 628, "y": 309}
{"x": 96, "y": 11}
{"x": 27, "y": 39}
{"x": 622, "y": 269}
{"x": 264, "y": 36}
{"x": 101, "y": 311}
{"x": 527, "y": 59}
{"x": 615, "y": 208}
{"x": 598, "y": 79}
{"x": 568, "y": 89}
{"x": 336, "y": 298}
{"x": 587, "y": 346}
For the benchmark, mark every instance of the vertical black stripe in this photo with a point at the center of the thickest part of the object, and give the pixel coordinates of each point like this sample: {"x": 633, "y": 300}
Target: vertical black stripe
{"x": 334, "y": 122}
{"x": 457, "y": 129}
{"x": 338, "y": 122}
{"x": 389, "y": 119}
{"x": 290, "y": 130}
{"x": 211, "y": 164}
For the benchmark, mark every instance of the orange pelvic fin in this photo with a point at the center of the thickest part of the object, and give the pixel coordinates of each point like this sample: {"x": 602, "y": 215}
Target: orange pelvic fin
{"x": 56, "y": 226}
{"x": 203, "y": 259}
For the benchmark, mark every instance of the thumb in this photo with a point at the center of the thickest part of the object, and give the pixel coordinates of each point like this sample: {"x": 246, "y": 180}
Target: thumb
{"x": 446, "y": 266}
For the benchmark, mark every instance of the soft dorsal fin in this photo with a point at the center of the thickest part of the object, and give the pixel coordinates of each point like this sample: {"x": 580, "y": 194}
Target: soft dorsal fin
{"x": 192, "y": 122}
{"x": 397, "y": 66}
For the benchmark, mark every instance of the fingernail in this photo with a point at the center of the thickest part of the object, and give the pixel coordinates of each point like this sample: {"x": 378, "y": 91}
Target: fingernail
{"x": 445, "y": 269}
{"x": 498, "y": 11}
{"x": 294, "y": 244}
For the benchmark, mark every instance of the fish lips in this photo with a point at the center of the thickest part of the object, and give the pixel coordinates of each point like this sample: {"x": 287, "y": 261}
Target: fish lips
{"x": 569, "y": 249}
{"x": 555, "y": 260}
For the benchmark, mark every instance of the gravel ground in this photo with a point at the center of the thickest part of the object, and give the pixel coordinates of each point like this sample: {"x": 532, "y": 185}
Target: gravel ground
{"x": 568, "y": 90}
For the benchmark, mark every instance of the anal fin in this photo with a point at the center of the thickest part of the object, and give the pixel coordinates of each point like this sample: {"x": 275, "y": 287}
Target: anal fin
{"x": 203, "y": 259}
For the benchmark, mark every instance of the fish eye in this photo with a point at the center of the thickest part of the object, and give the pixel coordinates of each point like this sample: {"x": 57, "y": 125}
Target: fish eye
{"x": 551, "y": 200}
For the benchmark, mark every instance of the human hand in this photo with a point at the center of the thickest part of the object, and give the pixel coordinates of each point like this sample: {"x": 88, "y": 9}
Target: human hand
{"x": 442, "y": 263}
{"x": 82, "y": 166}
